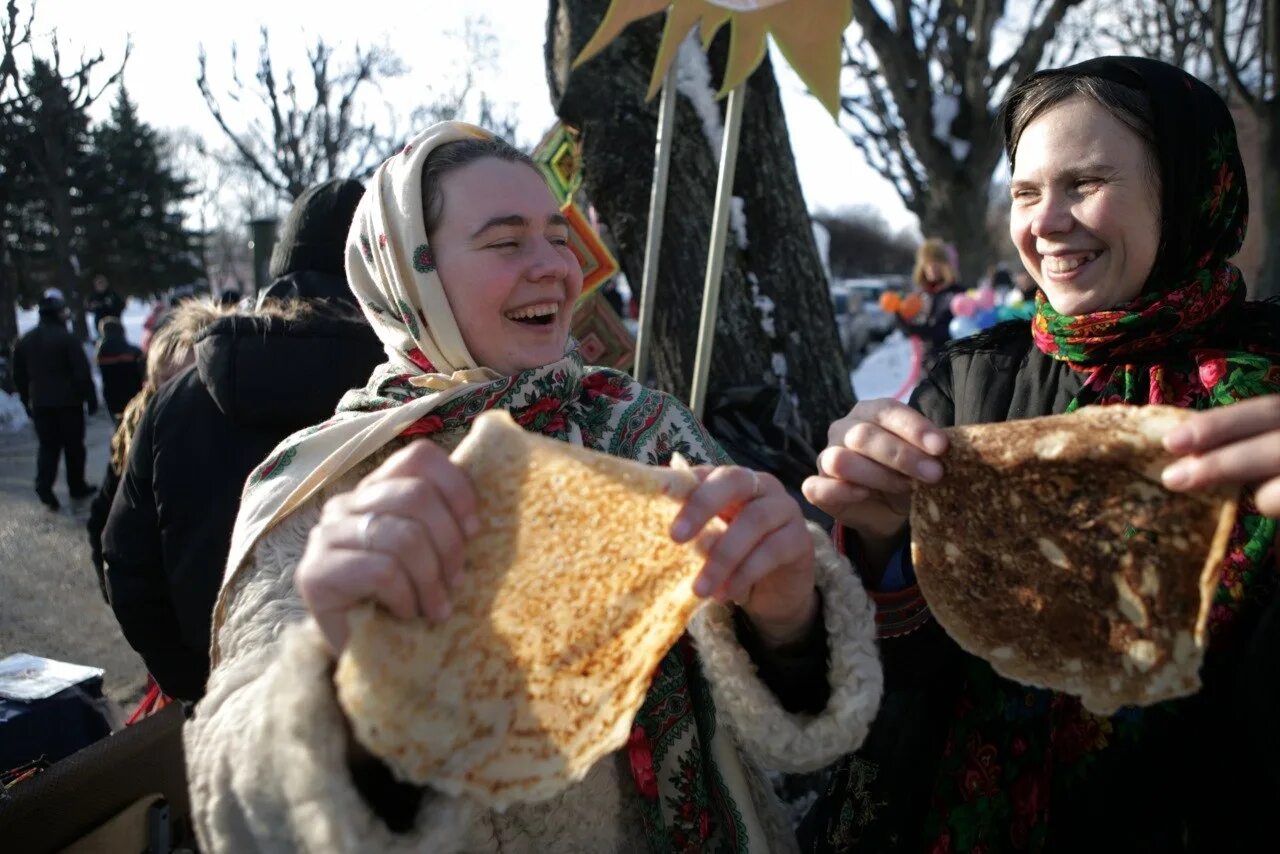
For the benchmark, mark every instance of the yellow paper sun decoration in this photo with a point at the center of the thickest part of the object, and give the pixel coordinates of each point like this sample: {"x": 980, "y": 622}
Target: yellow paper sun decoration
{"x": 808, "y": 32}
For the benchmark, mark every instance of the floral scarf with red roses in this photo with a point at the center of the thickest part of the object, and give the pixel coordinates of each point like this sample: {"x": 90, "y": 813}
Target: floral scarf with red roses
{"x": 1188, "y": 341}
{"x": 687, "y": 773}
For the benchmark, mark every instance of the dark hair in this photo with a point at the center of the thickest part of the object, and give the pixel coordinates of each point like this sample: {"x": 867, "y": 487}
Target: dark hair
{"x": 1037, "y": 94}
{"x": 455, "y": 155}
{"x": 110, "y": 327}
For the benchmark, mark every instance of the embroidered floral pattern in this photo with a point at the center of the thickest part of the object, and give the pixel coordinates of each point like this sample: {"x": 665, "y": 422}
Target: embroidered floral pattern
{"x": 423, "y": 260}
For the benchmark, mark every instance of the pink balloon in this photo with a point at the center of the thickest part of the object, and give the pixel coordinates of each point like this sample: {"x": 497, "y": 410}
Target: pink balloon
{"x": 962, "y": 305}
{"x": 986, "y": 298}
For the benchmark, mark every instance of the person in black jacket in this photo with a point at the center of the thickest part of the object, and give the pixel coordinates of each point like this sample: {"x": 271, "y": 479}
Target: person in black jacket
{"x": 121, "y": 365}
{"x": 1129, "y": 199}
{"x": 257, "y": 378}
{"x": 172, "y": 351}
{"x": 104, "y": 302}
{"x": 55, "y": 384}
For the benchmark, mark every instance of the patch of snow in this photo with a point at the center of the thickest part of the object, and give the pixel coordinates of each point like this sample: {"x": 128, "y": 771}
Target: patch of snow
{"x": 12, "y": 416}
{"x": 764, "y": 305}
{"x": 887, "y": 370}
{"x": 779, "y": 365}
{"x": 693, "y": 80}
{"x": 738, "y": 221}
{"x": 822, "y": 239}
{"x": 946, "y": 107}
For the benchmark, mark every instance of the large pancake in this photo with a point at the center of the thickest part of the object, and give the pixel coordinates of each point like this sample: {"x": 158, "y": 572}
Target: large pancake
{"x": 572, "y": 593}
{"x": 1051, "y": 549}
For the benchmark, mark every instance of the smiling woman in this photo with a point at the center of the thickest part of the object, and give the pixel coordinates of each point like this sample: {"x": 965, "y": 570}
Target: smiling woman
{"x": 459, "y": 256}
{"x": 1128, "y": 202}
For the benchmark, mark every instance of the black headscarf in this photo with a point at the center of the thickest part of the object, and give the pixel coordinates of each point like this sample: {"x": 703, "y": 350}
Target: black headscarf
{"x": 1204, "y": 204}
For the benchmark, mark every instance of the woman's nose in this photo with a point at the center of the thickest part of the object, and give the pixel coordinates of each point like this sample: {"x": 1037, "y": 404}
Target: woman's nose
{"x": 1052, "y": 215}
{"x": 549, "y": 262}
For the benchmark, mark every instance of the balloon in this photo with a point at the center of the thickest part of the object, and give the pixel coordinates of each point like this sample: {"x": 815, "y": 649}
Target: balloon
{"x": 890, "y": 301}
{"x": 1014, "y": 298}
{"x": 911, "y": 307}
{"x": 962, "y": 305}
{"x": 961, "y": 327}
{"x": 986, "y": 297}
{"x": 1005, "y": 312}
{"x": 986, "y": 318}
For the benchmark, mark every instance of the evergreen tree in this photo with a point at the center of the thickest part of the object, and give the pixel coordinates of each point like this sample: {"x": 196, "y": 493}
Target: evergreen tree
{"x": 136, "y": 233}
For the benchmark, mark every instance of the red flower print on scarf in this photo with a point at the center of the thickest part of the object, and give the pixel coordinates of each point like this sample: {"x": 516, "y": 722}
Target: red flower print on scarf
{"x": 942, "y": 845}
{"x": 641, "y": 755}
{"x": 548, "y": 406}
{"x": 1212, "y": 370}
{"x": 1220, "y": 189}
{"x": 424, "y": 426}
{"x": 416, "y": 356}
{"x": 981, "y": 776}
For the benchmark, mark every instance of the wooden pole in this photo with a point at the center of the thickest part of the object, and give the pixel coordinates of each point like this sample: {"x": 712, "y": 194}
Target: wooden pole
{"x": 715, "y": 252}
{"x": 657, "y": 214}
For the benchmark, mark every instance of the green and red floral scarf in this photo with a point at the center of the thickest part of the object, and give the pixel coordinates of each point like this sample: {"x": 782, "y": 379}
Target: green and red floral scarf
{"x": 1187, "y": 340}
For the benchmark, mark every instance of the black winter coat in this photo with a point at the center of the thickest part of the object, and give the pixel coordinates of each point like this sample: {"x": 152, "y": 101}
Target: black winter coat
{"x": 122, "y": 366}
{"x": 105, "y": 304}
{"x": 255, "y": 381}
{"x": 934, "y": 327}
{"x": 50, "y": 368}
{"x": 1204, "y": 775}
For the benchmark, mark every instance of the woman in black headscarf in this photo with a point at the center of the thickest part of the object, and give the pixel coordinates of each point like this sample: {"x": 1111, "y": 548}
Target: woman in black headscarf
{"x": 1128, "y": 199}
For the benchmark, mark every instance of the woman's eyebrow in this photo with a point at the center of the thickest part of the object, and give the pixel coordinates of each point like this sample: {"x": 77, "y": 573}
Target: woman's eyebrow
{"x": 494, "y": 222}
{"x": 558, "y": 219}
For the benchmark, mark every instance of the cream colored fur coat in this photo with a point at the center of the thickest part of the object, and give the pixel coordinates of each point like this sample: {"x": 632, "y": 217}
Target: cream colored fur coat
{"x": 266, "y": 749}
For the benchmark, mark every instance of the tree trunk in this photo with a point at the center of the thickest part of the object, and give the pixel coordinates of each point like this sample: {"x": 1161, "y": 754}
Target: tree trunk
{"x": 8, "y": 306}
{"x": 956, "y": 210}
{"x": 63, "y": 228}
{"x": 777, "y": 273}
{"x": 1268, "y": 283}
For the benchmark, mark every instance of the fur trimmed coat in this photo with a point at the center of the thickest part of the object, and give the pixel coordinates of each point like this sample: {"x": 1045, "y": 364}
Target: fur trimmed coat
{"x": 268, "y": 748}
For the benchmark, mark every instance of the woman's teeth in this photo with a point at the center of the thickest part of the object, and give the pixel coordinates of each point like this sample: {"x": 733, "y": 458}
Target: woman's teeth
{"x": 1067, "y": 263}
{"x": 542, "y": 313}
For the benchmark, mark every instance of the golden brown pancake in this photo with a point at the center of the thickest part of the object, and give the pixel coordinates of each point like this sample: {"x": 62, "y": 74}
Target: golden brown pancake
{"x": 572, "y": 593}
{"x": 1051, "y": 549}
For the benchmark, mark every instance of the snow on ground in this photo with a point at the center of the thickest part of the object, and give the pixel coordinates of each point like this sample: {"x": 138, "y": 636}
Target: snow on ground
{"x": 12, "y": 416}
{"x": 891, "y": 370}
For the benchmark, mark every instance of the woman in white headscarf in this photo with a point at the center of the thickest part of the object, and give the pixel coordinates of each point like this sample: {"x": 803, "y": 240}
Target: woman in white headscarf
{"x": 460, "y": 257}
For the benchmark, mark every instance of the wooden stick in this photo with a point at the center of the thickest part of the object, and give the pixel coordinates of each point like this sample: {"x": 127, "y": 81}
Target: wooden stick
{"x": 715, "y": 252}
{"x": 657, "y": 214}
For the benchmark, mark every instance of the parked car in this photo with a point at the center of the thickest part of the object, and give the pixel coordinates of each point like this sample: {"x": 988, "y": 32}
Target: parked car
{"x": 860, "y": 321}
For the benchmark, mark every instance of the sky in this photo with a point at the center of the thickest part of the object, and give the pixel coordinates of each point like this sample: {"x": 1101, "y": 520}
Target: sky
{"x": 166, "y": 37}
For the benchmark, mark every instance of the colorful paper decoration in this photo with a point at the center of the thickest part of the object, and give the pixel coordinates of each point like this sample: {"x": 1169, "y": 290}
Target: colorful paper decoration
{"x": 602, "y": 338}
{"x": 558, "y": 157}
{"x": 598, "y": 263}
{"x": 809, "y": 33}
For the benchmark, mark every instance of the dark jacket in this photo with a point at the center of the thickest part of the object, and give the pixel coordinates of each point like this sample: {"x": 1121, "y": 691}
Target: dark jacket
{"x": 50, "y": 368}
{"x": 105, "y": 304}
{"x": 255, "y": 381}
{"x": 1203, "y": 773}
{"x": 122, "y": 366}
{"x": 99, "y": 510}
{"x": 934, "y": 327}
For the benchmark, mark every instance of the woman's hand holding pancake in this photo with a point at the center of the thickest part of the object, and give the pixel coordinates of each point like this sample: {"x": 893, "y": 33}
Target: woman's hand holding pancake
{"x": 763, "y": 559}
{"x": 1236, "y": 445}
{"x": 864, "y": 476}
{"x": 396, "y": 539}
